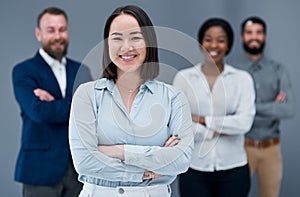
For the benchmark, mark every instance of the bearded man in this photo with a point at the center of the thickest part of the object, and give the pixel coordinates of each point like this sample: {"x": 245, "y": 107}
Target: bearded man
{"x": 43, "y": 87}
{"x": 274, "y": 101}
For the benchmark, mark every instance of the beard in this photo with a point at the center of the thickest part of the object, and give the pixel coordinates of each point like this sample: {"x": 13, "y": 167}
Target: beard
{"x": 58, "y": 52}
{"x": 254, "y": 51}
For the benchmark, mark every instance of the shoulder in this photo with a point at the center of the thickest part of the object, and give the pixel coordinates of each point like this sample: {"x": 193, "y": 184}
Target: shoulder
{"x": 155, "y": 85}
{"x": 85, "y": 88}
{"x": 189, "y": 71}
{"x": 73, "y": 63}
{"x": 239, "y": 73}
{"x": 277, "y": 67}
{"x": 170, "y": 91}
{"x": 273, "y": 63}
{"x": 186, "y": 76}
{"x": 88, "y": 85}
{"x": 26, "y": 65}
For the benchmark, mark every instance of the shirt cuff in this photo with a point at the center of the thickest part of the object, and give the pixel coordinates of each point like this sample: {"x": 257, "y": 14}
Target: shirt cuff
{"x": 202, "y": 132}
{"x": 134, "y": 177}
{"x": 132, "y": 153}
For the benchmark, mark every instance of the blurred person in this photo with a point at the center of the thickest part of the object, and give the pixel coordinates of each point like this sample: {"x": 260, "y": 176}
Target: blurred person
{"x": 43, "y": 87}
{"x": 222, "y": 103}
{"x": 129, "y": 134}
{"x": 274, "y": 101}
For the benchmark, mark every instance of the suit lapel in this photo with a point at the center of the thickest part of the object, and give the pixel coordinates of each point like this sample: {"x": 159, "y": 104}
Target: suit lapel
{"x": 47, "y": 74}
{"x": 71, "y": 72}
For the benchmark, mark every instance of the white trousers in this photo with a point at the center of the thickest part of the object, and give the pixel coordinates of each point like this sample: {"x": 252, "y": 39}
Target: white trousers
{"x": 92, "y": 190}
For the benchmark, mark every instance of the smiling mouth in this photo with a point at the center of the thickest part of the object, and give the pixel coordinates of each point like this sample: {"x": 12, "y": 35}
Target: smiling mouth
{"x": 127, "y": 57}
{"x": 213, "y": 53}
{"x": 254, "y": 42}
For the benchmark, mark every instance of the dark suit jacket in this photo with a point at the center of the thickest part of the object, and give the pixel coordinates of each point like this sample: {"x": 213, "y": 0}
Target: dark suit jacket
{"x": 44, "y": 154}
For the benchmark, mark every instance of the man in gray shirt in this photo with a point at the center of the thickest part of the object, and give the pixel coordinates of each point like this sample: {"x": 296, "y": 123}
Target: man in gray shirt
{"x": 274, "y": 101}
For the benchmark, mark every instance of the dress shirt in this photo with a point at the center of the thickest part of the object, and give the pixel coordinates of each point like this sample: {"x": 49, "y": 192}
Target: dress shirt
{"x": 270, "y": 78}
{"x": 58, "y": 68}
{"x": 228, "y": 109}
{"x": 99, "y": 117}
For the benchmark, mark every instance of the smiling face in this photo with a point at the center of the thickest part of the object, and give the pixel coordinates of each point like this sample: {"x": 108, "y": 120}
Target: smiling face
{"x": 53, "y": 35}
{"x": 127, "y": 47}
{"x": 215, "y": 43}
{"x": 253, "y": 38}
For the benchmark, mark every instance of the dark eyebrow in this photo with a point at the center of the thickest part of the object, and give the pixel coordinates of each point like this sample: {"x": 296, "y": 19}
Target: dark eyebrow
{"x": 116, "y": 34}
{"x": 120, "y": 34}
{"x": 135, "y": 32}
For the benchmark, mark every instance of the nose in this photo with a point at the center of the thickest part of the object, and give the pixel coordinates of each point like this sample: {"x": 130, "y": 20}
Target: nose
{"x": 57, "y": 35}
{"x": 214, "y": 44}
{"x": 126, "y": 46}
{"x": 253, "y": 35}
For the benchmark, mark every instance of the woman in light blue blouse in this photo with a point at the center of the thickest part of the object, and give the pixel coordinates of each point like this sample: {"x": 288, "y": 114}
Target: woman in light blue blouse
{"x": 129, "y": 134}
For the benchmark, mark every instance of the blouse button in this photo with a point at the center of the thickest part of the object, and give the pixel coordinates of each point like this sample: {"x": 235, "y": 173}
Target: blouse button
{"x": 121, "y": 191}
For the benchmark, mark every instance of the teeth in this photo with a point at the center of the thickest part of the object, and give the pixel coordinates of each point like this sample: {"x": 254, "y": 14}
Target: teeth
{"x": 127, "y": 57}
{"x": 213, "y": 53}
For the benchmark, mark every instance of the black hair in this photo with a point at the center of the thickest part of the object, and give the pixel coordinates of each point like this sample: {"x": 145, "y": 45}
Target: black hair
{"x": 212, "y": 22}
{"x": 149, "y": 70}
{"x": 253, "y": 19}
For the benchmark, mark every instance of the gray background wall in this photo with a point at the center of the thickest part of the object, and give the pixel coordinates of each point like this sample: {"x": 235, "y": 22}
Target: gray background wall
{"x": 86, "y": 20}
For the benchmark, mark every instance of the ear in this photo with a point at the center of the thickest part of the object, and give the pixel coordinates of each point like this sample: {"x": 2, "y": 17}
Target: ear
{"x": 38, "y": 34}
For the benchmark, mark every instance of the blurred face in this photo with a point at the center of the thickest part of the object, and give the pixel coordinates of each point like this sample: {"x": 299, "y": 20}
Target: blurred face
{"x": 253, "y": 38}
{"x": 53, "y": 35}
{"x": 127, "y": 47}
{"x": 216, "y": 43}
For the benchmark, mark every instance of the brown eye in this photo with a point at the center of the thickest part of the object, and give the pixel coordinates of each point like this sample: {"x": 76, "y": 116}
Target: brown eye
{"x": 206, "y": 40}
{"x": 136, "y": 38}
{"x": 64, "y": 29}
{"x": 50, "y": 30}
{"x": 116, "y": 38}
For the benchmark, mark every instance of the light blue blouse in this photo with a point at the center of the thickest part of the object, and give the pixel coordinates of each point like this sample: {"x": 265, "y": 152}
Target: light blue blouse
{"x": 99, "y": 117}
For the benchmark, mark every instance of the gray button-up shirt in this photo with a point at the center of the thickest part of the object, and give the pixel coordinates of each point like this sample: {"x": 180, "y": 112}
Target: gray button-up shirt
{"x": 270, "y": 78}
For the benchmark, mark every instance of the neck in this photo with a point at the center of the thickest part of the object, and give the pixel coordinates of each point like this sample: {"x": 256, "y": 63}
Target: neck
{"x": 254, "y": 58}
{"x": 213, "y": 69}
{"x": 129, "y": 83}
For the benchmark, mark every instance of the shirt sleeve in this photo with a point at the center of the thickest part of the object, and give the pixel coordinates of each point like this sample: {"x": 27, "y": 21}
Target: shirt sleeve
{"x": 201, "y": 132}
{"x": 239, "y": 122}
{"x": 25, "y": 82}
{"x": 279, "y": 110}
{"x": 88, "y": 160}
{"x": 167, "y": 160}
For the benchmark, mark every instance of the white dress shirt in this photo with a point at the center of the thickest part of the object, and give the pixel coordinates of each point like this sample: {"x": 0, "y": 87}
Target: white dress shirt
{"x": 228, "y": 108}
{"x": 58, "y": 68}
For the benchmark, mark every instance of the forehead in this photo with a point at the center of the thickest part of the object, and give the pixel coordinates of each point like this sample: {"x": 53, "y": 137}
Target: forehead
{"x": 53, "y": 20}
{"x": 253, "y": 27}
{"x": 124, "y": 23}
{"x": 215, "y": 30}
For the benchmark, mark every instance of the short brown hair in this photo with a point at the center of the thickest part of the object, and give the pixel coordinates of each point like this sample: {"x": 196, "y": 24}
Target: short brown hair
{"x": 51, "y": 10}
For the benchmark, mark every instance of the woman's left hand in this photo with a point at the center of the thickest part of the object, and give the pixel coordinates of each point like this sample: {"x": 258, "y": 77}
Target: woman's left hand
{"x": 173, "y": 140}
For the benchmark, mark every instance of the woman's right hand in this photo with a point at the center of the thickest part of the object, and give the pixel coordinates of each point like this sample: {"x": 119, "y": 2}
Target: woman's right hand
{"x": 173, "y": 140}
{"x": 150, "y": 175}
